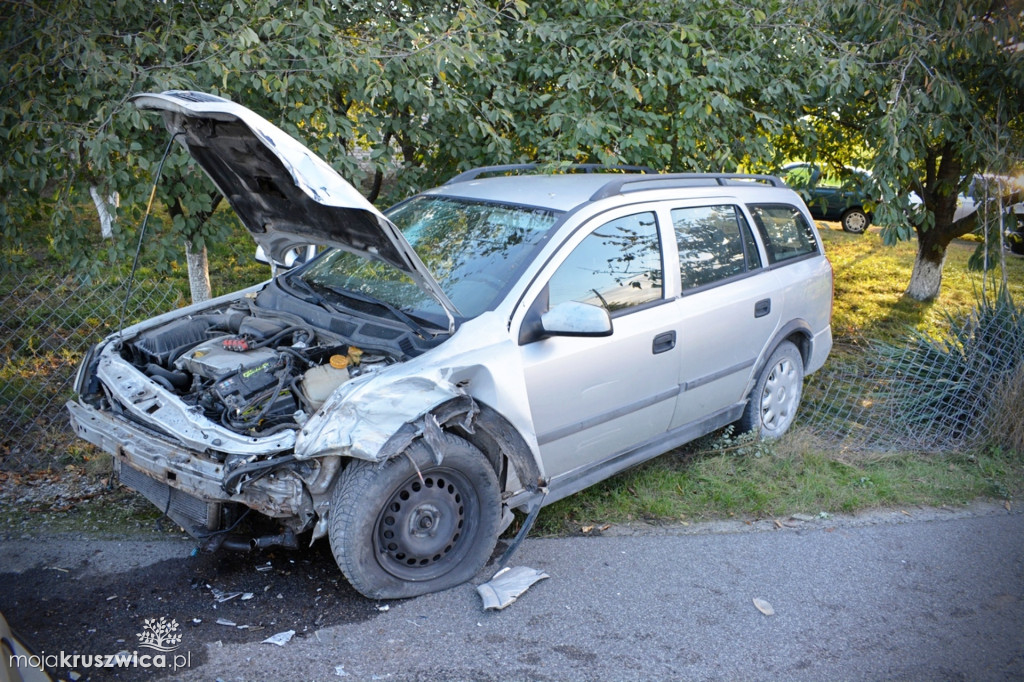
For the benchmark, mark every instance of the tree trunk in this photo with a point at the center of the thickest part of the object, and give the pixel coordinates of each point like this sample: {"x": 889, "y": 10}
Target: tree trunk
{"x": 105, "y": 208}
{"x": 198, "y": 273}
{"x": 926, "y": 279}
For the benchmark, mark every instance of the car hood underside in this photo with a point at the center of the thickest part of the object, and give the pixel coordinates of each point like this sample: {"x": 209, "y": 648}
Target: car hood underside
{"x": 284, "y": 194}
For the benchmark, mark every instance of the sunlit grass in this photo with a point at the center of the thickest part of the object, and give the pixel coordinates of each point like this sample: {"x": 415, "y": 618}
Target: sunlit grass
{"x": 870, "y": 279}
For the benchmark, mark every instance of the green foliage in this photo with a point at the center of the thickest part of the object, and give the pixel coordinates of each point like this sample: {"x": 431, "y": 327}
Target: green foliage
{"x": 337, "y": 78}
{"x": 672, "y": 85}
{"x": 928, "y": 94}
{"x": 402, "y": 95}
{"x": 396, "y": 98}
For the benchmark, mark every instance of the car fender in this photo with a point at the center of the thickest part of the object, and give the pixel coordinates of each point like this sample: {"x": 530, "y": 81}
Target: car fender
{"x": 358, "y": 422}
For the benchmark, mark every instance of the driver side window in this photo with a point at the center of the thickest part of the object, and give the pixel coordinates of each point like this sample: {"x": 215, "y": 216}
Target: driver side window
{"x": 618, "y": 266}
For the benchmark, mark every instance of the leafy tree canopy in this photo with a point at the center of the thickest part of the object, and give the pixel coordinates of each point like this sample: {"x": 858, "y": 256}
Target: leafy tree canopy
{"x": 932, "y": 94}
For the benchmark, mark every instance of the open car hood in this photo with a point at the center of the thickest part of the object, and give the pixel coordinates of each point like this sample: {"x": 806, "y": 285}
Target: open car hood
{"x": 287, "y": 196}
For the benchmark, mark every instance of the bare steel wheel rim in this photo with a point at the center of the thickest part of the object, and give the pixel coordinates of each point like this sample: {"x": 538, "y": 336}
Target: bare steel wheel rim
{"x": 427, "y": 526}
{"x": 780, "y": 395}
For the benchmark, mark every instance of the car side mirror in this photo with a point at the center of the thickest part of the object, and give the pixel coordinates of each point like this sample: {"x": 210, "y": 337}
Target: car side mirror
{"x": 292, "y": 257}
{"x": 576, "y": 319}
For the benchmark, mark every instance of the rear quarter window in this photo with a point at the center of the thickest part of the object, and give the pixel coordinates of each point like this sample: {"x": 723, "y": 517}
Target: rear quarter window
{"x": 786, "y": 233}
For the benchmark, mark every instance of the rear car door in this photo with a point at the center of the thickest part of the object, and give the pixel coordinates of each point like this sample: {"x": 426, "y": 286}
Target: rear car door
{"x": 591, "y": 398}
{"x": 729, "y": 308}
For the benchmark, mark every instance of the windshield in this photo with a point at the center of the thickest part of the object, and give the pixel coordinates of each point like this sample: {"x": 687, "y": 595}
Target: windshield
{"x": 472, "y": 248}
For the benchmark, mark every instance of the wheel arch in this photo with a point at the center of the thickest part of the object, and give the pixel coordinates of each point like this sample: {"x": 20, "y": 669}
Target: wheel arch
{"x": 799, "y": 333}
{"x": 480, "y": 425}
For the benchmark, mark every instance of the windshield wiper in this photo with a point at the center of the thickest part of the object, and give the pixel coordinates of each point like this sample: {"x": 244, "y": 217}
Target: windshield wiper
{"x": 400, "y": 315}
{"x": 296, "y": 282}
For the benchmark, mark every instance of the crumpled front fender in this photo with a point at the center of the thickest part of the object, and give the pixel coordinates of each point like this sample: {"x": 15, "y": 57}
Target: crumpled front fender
{"x": 358, "y": 423}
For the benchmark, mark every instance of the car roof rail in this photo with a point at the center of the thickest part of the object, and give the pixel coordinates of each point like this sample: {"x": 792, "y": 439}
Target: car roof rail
{"x": 674, "y": 180}
{"x": 475, "y": 173}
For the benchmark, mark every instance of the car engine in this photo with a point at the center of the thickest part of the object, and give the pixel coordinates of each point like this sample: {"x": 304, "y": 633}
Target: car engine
{"x": 255, "y": 372}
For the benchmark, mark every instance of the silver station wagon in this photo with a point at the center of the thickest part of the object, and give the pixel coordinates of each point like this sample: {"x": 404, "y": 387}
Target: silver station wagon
{"x": 491, "y": 345}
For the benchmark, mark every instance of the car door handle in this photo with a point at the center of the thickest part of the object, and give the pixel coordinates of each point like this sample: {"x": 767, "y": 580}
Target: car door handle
{"x": 762, "y": 307}
{"x": 664, "y": 341}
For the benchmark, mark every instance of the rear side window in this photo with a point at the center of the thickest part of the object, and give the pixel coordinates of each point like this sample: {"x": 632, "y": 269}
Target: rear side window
{"x": 787, "y": 235}
{"x": 715, "y": 243}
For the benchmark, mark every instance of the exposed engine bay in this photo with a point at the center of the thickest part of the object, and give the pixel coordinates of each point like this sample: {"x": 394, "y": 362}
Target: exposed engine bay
{"x": 253, "y": 371}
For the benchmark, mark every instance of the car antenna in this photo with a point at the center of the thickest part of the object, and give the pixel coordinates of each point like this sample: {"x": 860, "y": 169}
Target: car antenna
{"x": 142, "y": 234}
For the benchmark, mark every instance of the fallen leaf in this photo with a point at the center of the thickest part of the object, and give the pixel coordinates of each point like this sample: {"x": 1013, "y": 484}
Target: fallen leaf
{"x": 763, "y": 606}
{"x": 904, "y": 512}
{"x": 586, "y": 529}
{"x": 605, "y": 527}
{"x": 778, "y": 524}
{"x": 1007, "y": 505}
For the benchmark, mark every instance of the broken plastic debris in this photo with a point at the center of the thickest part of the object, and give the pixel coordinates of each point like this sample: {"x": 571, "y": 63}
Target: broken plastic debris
{"x": 339, "y": 670}
{"x": 764, "y": 607}
{"x": 281, "y": 638}
{"x": 225, "y": 621}
{"x": 384, "y": 608}
{"x": 247, "y": 596}
{"x": 222, "y": 596}
{"x": 263, "y": 568}
{"x": 507, "y": 584}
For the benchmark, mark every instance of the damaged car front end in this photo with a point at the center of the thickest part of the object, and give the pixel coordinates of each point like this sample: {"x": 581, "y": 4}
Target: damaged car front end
{"x": 256, "y": 401}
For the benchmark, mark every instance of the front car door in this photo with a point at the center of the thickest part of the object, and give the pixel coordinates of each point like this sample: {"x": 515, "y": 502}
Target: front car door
{"x": 591, "y": 398}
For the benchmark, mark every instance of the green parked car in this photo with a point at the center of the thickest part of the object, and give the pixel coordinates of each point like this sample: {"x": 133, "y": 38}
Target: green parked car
{"x": 832, "y": 196}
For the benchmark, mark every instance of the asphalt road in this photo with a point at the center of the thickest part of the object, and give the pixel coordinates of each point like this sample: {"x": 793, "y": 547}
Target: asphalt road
{"x": 914, "y": 595}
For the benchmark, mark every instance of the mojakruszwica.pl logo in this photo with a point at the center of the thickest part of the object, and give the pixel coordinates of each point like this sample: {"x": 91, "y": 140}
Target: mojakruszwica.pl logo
{"x": 159, "y": 635}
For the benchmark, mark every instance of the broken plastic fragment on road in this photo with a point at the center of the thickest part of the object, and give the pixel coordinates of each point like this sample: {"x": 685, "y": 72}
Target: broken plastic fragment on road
{"x": 507, "y": 585}
{"x": 281, "y": 638}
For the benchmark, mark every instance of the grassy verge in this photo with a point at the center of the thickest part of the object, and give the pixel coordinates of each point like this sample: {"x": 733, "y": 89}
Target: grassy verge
{"x": 710, "y": 480}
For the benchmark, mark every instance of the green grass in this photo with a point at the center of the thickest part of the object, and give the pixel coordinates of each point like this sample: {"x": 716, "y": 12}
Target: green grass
{"x": 702, "y": 482}
{"x": 870, "y": 279}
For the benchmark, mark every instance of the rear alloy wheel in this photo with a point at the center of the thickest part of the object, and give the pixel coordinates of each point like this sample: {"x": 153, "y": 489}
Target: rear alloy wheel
{"x": 855, "y": 221}
{"x": 399, "y": 530}
{"x": 776, "y": 396}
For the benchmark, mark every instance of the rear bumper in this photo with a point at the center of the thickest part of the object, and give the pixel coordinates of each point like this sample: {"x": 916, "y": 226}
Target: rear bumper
{"x": 821, "y": 345}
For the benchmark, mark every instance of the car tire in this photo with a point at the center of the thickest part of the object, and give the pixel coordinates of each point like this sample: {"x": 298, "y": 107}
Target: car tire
{"x": 774, "y": 400}
{"x": 411, "y": 526}
{"x": 854, "y": 220}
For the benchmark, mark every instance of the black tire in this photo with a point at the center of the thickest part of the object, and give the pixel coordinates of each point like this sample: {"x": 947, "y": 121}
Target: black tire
{"x": 395, "y": 536}
{"x": 855, "y": 220}
{"x": 775, "y": 397}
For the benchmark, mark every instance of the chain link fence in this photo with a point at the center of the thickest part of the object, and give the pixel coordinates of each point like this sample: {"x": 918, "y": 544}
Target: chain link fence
{"x": 46, "y": 325}
{"x": 928, "y": 394}
{"x": 925, "y": 395}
